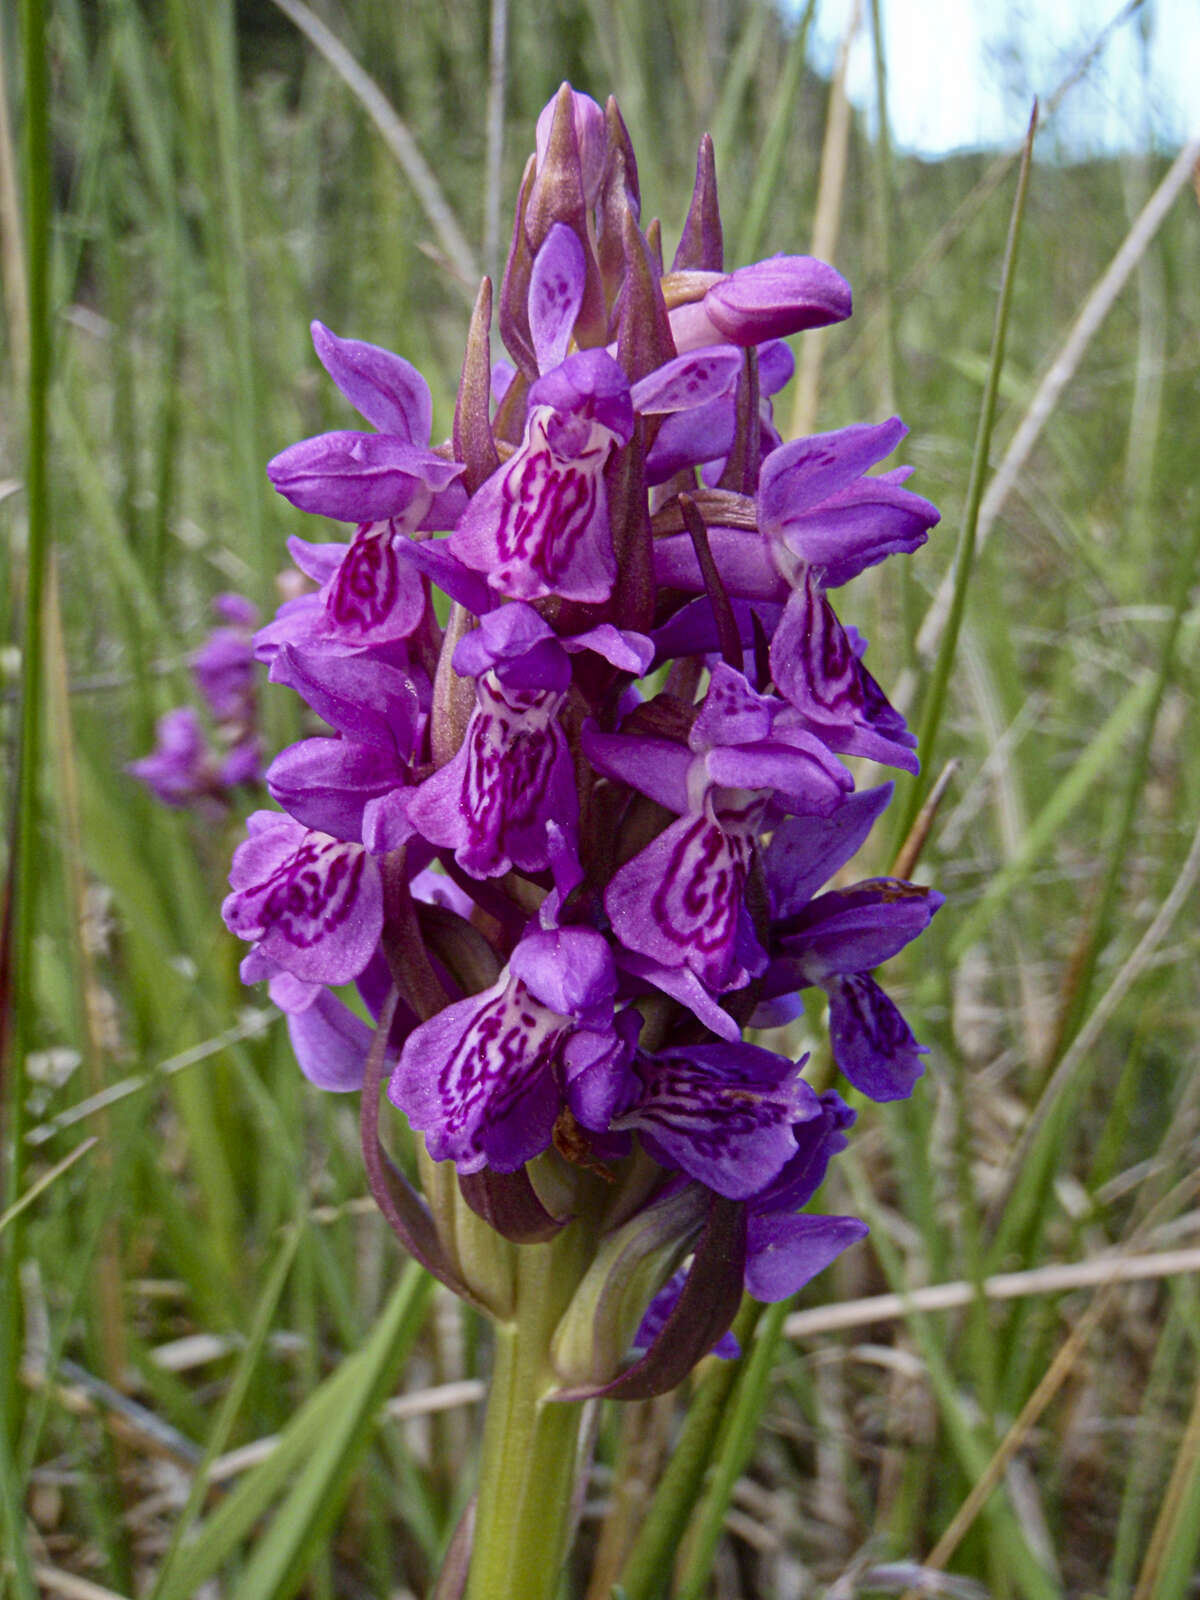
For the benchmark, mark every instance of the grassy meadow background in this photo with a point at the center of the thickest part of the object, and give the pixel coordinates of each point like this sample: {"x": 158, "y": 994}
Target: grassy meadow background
{"x": 218, "y": 1375}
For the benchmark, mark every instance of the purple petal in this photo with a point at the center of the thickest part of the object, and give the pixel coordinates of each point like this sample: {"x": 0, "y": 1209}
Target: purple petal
{"x": 784, "y": 1253}
{"x": 732, "y": 713}
{"x": 374, "y": 597}
{"x": 358, "y": 477}
{"x": 679, "y": 900}
{"x": 872, "y": 1044}
{"x": 384, "y": 388}
{"x": 693, "y": 629}
{"x": 722, "y": 1113}
{"x": 325, "y": 783}
{"x": 743, "y": 559}
{"x": 817, "y": 1142}
{"x": 816, "y": 668}
{"x": 331, "y": 1043}
{"x": 805, "y": 852}
{"x": 235, "y": 609}
{"x": 591, "y": 385}
{"x": 656, "y": 767}
{"x": 433, "y": 558}
{"x": 857, "y": 929}
{"x": 776, "y": 364}
{"x": 511, "y": 775}
{"x": 361, "y": 697}
{"x": 316, "y": 561}
{"x": 685, "y": 987}
{"x": 689, "y": 438}
{"x": 859, "y": 527}
{"x": 804, "y": 473}
{"x": 688, "y": 381}
{"x": 476, "y": 1079}
{"x": 772, "y": 298}
{"x": 620, "y": 647}
{"x": 800, "y": 774}
{"x": 555, "y": 295}
{"x": 570, "y": 970}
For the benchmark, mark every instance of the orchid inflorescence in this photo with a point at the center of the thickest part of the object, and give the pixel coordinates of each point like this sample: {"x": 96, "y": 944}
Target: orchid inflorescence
{"x": 572, "y": 841}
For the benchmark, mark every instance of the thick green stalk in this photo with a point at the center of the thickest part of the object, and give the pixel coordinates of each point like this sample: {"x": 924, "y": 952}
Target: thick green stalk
{"x": 529, "y": 1461}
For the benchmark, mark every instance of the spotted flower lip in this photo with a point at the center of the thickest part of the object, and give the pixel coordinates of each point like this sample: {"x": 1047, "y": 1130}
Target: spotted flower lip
{"x": 722, "y": 1113}
{"x": 309, "y": 902}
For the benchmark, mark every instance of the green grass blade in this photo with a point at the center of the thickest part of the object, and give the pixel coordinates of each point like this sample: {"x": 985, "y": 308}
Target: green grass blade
{"x": 734, "y": 1451}
{"x": 323, "y": 1444}
{"x": 1093, "y": 765}
{"x": 20, "y": 909}
{"x": 783, "y": 112}
{"x": 936, "y": 691}
{"x": 303, "y": 1523}
{"x": 648, "y": 1566}
{"x": 232, "y": 1403}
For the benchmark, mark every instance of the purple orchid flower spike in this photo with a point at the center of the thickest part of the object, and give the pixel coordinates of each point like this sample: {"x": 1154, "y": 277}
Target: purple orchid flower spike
{"x": 564, "y": 888}
{"x": 178, "y": 769}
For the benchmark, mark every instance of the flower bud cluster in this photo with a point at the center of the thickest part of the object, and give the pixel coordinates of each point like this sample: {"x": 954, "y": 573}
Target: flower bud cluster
{"x": 571, "y": 829}
{"x": 186, "y": 768}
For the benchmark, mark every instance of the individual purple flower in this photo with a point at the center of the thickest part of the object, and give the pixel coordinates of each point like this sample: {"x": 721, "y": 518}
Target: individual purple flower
{"x": 835, "y": 942}
{"x": 371, "y": 477}
{"x": 310, "y": 904}
{"x": 681, "y": 901}
{"x": 178, "y": 770}
{"x": 817, "y": 505}
{"x": 512, "y": 773}
{"x": 539, "y": 526}
{"x": 480, "y": 1079}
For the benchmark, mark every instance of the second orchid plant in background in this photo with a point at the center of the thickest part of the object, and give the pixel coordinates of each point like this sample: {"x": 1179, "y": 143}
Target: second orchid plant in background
{"x": 572, "y": 833}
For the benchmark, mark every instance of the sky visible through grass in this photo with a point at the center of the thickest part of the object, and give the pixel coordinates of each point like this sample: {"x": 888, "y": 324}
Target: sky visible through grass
{"x": 962, "y": 73}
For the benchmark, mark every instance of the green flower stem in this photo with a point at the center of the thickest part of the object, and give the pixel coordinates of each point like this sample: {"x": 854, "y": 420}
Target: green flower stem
{"x": 530, "y": 1443}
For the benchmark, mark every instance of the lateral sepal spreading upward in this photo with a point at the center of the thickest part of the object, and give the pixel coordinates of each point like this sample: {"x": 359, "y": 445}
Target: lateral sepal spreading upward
{"x": 567, "y": 847}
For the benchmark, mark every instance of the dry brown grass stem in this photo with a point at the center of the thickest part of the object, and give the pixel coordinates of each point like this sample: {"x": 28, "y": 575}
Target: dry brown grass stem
{"x": 1059, "y": 1279}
